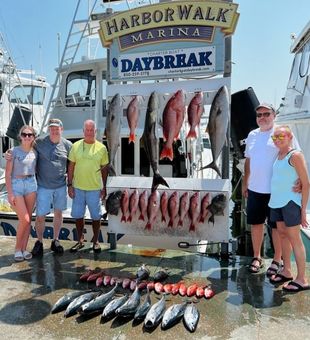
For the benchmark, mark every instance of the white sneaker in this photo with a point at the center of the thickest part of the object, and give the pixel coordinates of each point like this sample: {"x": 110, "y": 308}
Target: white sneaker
{"x": 18, "y": 257}
{"x": 27, "y": 255}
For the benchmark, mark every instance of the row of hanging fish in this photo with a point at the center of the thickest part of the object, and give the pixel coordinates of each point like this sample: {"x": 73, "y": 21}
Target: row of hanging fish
{"x": 150, "y": 139}
{"x": 172, "y": 120}
{"x": 110, "y": 305}
{"x": 173, "y": 207}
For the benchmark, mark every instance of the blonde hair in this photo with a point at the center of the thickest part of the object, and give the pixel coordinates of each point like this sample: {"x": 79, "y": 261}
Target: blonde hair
{"x": 284, "y": 127}
{"x": 28, "y": 127}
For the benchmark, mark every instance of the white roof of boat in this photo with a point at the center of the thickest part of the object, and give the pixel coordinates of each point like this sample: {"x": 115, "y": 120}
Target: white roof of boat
{"x": 302, "y": 38}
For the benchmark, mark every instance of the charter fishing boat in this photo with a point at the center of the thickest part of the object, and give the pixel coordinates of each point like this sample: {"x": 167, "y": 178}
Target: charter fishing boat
{"x": 294, "y": 109}
{"x": 22, "y": 95}
{"x": 181, "y": 64}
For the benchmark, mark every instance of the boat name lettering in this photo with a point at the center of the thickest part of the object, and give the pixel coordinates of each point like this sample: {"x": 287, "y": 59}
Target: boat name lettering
{"x": 66, "y": 233}
{"x": 166, "y": 62}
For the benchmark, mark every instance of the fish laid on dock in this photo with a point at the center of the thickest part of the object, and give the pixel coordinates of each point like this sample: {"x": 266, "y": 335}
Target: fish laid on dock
{"x": 191, "y": 290}
{"x": 126, "y": 283}
{"x": 175, "y": 288}
{"x": 168, "y": 288}
{"x": 65, "y": 300}
{"x": 150, "y": 286}
{"x": 217, "y": 126}
{"x": 85, "y": 275}
{"x": 160, "y": 275}
{"x": 150, "y": 140}
{"x": 112, "y": 306}
{"x": 98, "y": 303}
{"x": 143, "y": 273}
{"x": 144, "y": 307}
{"x": 93, "y": 277}
{"x": 107, "y": 280}
{"x": 191, "y": 317}
{"x": 131, "y": 305}
{"x": 155, "y": 314}
{"x": 158, "y": 287}
{"x": 79, "y": 301}
{"x": 173, "y": 315}
{"x": 209, "y": 293}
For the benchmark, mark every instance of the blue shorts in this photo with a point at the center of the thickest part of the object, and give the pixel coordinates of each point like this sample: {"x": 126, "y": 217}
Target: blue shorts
{"x": 290, "y": 214}
{"x": 24, "y": 186}
{"x": 89, "y": 198}
{"x": 257, "y": 209}
{"x": 48, "y": 199}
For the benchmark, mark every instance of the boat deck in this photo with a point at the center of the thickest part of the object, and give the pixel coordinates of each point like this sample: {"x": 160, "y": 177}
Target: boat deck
{"x": 245, "y": 305}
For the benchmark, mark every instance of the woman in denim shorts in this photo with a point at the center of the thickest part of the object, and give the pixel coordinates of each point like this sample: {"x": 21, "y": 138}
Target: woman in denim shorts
{"x": 288, "y": 208}
{"x": 21, "y": 186}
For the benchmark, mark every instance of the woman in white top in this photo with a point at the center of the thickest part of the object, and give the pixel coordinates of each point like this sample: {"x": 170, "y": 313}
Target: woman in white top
{"x": 21, "y": 186}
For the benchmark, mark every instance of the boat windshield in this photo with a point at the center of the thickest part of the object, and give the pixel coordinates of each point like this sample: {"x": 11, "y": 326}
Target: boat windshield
{"x": 27, "y": 95}
{"x": 80, "y": 89}
{"x": 300, "y": 69}
{"x": 304, "y": 63}
{"x": 294, "y": 71}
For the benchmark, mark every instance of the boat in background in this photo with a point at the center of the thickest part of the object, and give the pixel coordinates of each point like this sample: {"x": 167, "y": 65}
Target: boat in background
{"x": 22, "y": 96}
{"x": 82, "y": 90}
{"x": 294, "y": 110}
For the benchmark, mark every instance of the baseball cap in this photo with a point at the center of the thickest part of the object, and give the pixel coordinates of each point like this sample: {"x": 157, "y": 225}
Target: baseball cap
{"x": 55, "y": 122}
{"x": 266, "y": 106}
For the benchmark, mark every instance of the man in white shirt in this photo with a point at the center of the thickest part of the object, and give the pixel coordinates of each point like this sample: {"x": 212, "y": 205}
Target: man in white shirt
{"x": 260, "y": 155}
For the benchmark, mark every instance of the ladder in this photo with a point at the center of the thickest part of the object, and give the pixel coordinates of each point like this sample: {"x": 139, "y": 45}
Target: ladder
{"x": 79, "y": 32}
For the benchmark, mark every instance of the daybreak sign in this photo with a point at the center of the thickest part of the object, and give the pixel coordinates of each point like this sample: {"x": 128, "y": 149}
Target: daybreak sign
{"x": 166, "y": 27}
{"x": 172, "y": 62}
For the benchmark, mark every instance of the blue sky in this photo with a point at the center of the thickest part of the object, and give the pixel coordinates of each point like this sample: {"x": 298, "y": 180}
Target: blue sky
{"x": 260, "y": 45}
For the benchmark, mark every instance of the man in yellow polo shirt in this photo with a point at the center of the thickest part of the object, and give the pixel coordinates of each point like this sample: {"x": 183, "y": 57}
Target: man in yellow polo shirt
{"x": 87, "y": 176}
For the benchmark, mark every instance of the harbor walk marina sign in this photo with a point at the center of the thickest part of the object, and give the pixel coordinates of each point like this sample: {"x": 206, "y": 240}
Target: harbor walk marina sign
{"x": 169, "y": 39}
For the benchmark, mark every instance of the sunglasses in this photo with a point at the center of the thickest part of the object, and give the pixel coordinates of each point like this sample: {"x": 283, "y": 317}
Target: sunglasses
{"x": 24, "y": 134}
{"x": 278, "y": 137}
{"x": 263, "y": 114}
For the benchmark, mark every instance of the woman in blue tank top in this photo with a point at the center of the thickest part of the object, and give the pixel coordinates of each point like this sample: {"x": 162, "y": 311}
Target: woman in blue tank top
{"x": 21, "y": 186}
{"x": 288, "y": 208}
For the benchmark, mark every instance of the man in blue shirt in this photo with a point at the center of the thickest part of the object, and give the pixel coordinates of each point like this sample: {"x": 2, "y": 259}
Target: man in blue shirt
{"x": 51, "y": 172}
